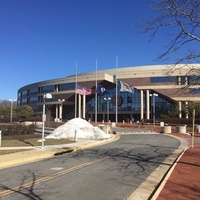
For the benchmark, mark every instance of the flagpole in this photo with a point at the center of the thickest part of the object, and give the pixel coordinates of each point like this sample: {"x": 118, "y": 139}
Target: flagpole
{"x": 116, "y": 100}
{"x": 76, "y": 93}
{"x": 96, "y": 96}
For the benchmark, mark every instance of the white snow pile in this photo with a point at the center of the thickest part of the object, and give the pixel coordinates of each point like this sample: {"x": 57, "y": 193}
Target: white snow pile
{"x": 81, "y": 128}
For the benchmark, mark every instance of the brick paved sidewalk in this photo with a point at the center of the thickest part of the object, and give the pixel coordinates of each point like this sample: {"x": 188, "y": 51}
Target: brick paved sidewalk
{"x": 184, "y": 181}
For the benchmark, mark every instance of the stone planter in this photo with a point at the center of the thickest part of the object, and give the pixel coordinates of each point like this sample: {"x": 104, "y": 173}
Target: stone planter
{"x": 105, "y": 128}
{"x": 166, "y": 129}
{"x": 181, "y": 129}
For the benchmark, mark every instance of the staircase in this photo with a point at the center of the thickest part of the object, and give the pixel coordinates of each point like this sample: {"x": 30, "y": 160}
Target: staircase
{"x": 47, "y": 130}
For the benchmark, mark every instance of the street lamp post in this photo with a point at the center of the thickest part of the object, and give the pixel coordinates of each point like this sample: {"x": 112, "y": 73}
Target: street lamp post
{"x": 154, "y": 107}
{"x": 107, "y": 99}
{"x": 11, "y": 109}
{"x": 45, "y": 96}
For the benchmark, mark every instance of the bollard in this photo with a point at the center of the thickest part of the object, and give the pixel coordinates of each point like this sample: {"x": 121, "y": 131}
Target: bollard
{"x": 0, "y": 138}
{"x": 75, "y": 136}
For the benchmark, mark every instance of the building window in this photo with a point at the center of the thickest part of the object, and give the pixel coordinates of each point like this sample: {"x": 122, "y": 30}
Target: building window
{"x": 48, "y": 88}
{"x": 162, "y": 79}
{"x": 24, "y": 93}
{"x": 33, "y": 99}
{"x": 67, "y": 86}
{"x": 193, "y": 79}
{"x": 24, "y": 101}
{"x": 33, "y": 91}
{"x": 194, "y": 90}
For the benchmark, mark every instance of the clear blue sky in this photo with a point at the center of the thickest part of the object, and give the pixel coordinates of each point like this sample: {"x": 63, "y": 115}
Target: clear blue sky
{"x": 42, "y": 39}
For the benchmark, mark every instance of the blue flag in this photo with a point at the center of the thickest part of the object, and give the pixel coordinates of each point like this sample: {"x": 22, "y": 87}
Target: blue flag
{"x": 101, "y": 90}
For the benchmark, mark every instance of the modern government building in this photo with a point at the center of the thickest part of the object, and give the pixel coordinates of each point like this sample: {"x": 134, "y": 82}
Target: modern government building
{"x": 158, "y": 90}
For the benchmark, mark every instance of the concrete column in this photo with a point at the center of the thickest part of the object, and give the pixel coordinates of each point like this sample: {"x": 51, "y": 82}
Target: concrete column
{"x": 79, "y": 106}
{"x": 179, "y": 80}
{"x": 60, "y": 111}
{"x": 141, "y": 104}
{"x": 56, "y": 111}
{"x": 186, "y": 109}
{"x": 180, "y": 109}
{"x": 186, "y": 80}
{"x": 147, "y": 104}
{"x": 84, "y": 104}
{"x": 56, "y": 88}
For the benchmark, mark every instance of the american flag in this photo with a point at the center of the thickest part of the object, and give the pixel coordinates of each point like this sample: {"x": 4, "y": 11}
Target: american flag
{"x": 83, "y": 90}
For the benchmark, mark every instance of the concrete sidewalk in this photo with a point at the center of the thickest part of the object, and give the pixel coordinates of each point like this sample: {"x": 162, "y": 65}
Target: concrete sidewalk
{"x": 183, "y": 180}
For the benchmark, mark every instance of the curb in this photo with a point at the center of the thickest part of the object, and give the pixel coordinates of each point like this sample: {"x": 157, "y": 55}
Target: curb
{"x": 69, "y": 150}
{"x": 53, "y": 152}
{"x": 97, "y": 143}
{"x": 87, "y": 146}
{"x": 180, "y": 151}
{"x": 167, "y": 175}
{"x": 154, "y": 183}
{"x": 24, "y": 160}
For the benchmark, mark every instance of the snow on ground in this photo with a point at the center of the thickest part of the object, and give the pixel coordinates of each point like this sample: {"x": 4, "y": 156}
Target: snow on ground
{"x": 81, "y": 127}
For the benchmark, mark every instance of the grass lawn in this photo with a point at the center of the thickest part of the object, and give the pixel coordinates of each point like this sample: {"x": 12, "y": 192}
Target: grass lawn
{"x": 28, "y": 141}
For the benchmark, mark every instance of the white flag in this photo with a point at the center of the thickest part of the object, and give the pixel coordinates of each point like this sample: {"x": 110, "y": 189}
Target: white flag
{"x": 126, "y": 87}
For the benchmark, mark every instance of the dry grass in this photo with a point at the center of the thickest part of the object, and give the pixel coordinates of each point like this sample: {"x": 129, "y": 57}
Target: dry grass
{"x": 33, "y": 142}
{"x": 28, "y": 141}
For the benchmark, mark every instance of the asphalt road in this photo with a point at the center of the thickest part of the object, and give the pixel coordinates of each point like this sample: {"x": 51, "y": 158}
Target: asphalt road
{"x": 111, "y": 171}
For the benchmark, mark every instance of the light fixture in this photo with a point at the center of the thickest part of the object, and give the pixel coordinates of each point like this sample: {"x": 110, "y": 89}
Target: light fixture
{"x": 11, "y": 109}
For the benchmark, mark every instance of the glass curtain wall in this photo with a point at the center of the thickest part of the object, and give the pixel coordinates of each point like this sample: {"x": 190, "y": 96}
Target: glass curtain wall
{"x": 129, "y": 105}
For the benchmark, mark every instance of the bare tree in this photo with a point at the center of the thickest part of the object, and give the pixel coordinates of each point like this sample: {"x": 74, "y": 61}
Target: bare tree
{"x": 7, "y": 103}
{"x": 180, "y": 20}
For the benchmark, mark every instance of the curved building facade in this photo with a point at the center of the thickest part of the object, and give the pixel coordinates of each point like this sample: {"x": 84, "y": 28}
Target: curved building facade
{"x": 157, "y": 90}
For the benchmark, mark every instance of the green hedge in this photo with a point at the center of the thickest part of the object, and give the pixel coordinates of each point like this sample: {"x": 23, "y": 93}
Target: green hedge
{"x": 175, "y": 121}
{"x": 17, "y": 129}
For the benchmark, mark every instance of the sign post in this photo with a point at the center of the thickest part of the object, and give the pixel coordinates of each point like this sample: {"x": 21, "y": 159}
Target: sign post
{"x": 0, "y": 138}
